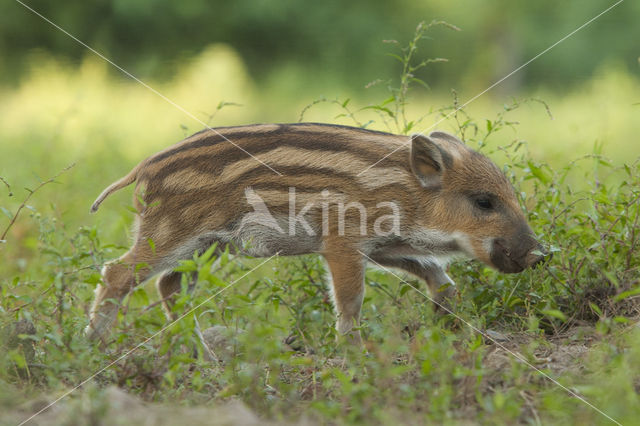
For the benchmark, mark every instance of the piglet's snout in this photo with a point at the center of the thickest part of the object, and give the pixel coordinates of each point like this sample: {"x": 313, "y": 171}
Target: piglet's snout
{"x": 517, "y": 254}
{"x": 531, "y": 253}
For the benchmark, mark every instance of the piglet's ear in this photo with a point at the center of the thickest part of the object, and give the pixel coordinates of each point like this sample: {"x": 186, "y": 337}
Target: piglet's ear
{"x": 426, "y": 161}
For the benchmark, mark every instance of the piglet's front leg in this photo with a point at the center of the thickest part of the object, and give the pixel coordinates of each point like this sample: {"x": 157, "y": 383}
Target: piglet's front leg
{"x": 441, "y": 287}
{"x": 347, "y": 266}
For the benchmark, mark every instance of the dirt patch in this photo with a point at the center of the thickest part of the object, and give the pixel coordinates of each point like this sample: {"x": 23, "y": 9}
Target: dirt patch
{"x": 557, "y": 358}
{"x": 559, "y": 355}
{"x": 114, "y": 406}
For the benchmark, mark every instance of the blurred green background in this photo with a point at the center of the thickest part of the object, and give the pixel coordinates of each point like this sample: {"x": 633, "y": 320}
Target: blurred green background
{"x": 61, "y": 104}
{"x": 330, "y": 42}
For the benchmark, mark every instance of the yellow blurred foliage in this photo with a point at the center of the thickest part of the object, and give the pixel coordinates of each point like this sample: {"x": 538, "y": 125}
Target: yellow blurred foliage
{"x": 93, "y": 105}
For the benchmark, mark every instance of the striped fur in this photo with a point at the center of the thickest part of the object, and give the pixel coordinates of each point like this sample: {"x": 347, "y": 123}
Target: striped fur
{"x": 420, "y": 207}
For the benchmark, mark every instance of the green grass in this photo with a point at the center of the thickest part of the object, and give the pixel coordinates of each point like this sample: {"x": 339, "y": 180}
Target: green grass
{"x": 573, "y": 319}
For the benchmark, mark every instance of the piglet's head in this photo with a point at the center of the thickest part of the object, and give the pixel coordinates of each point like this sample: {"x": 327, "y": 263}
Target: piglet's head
{"x": 466, "y": 195}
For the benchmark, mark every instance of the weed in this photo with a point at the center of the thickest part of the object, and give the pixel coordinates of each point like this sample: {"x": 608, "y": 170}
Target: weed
{"x": 268, "y": 341}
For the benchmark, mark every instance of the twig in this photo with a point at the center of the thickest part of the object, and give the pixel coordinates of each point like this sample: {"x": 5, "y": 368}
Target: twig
{"x": 159, "y": 302}
{"x": 8, "y": 186}
{"x": 17, "y": 308}
{"x": 24, "y": 202}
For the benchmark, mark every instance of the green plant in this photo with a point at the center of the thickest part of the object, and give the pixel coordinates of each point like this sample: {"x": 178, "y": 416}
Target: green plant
{"x": 571, "y": 319}
{"x": 391, "y": 112}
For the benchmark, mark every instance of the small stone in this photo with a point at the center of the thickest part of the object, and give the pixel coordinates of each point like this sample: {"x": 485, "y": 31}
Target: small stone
{"x": 220, "y": 342}
{"x": 496, "y": 335}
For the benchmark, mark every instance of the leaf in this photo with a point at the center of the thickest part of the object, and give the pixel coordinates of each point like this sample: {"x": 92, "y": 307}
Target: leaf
{"x": 6, "y": 212}
{"x": 555, "y": 313}
{"x": 139, "y": 297}
{"x": 408, "y": 127}
{"x": 382, "y": 109}
{"x": 208, "y": 255}
{"x": 302, "y": 360}
{"x": 626, "y": 294}
{"x": 396, "y": 57}
{"x": 140, "y": 266}
{"x": 421, "y": 83}
{"x": 515, "y": 301}
{"x": 595, "y": 308}
{"x": 18, "y": 358}
{"x": 55, "y": 338}
{"x": 613, "y": 279}
{"x": 186, "y": 266}
{"x": 601, "y": 198}
{"x": 94, "y": 278}
{"x": 539, "y": 173}
{"x": 426, "y": 367}
{"x": 152, "y": 245}
{"x": 388, "y": 101}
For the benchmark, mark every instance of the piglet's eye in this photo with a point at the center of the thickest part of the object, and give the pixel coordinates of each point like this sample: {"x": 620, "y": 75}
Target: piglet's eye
{"x": 483, "y": 203}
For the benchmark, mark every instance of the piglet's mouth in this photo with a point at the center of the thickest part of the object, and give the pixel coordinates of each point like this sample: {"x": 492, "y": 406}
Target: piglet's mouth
{"x": 514, "y": 261}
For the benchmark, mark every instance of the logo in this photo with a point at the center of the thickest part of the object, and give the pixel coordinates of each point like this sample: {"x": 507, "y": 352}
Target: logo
{"x": 321, "y": 213}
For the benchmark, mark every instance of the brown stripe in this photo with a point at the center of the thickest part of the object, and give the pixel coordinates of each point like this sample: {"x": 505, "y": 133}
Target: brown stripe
{"x": 208, "y": 138}
{"x": 201, "y": 173}
{"x": 259, "y": 142}
{"x": 316, "y": 178}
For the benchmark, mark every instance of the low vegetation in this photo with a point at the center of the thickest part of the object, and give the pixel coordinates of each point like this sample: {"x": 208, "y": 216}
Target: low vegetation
{"x": 558, "y": 344}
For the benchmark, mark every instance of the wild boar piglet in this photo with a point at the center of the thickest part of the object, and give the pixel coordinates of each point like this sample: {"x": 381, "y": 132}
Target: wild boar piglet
{"x": 355, "y": 196}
